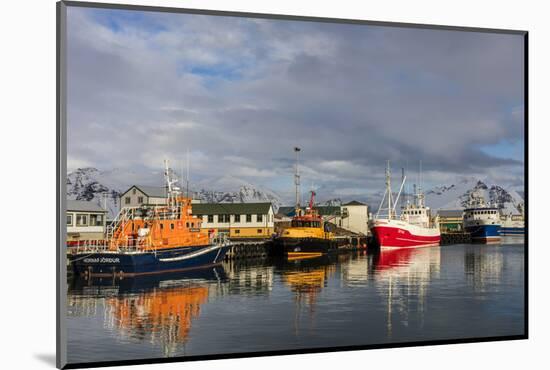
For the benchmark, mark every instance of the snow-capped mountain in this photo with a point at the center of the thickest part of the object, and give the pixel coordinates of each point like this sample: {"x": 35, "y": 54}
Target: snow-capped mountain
{"x": 466, "y": 191}
{"x": 105, "y": 187}
{"x": 96, "y": 186}
{"x": 229, "y": 189}
{"x": 336, "y": 202}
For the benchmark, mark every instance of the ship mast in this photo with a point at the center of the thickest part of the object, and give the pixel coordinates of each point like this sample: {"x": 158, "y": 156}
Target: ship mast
{"x": 187, "y": 178}
{"x": 420, "y": 195}
{"x": 404, "y": 199}
{"x": 297, "y": 181}
{"x": 388, "y": 189}
{"x": 171, "y": 189}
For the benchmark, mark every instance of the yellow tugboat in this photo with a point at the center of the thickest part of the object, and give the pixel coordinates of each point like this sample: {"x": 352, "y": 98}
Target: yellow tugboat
{"x": 308, "y": 236}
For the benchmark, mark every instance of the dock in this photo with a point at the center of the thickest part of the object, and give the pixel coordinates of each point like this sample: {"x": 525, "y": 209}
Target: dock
{"x": 455, "y": 238}
{"x": 253, "y": 249}
{"x": 244, "y": 249}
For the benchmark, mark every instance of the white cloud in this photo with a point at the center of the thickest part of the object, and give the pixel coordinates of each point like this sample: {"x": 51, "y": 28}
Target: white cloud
{"x": 242, "y": 93}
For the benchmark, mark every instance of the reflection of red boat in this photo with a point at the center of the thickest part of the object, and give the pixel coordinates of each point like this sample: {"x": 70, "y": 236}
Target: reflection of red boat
{"x": 395, "y": 257}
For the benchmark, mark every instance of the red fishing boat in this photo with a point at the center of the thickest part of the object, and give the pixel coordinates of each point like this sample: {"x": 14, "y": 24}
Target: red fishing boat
{"x": 412, "y": 229}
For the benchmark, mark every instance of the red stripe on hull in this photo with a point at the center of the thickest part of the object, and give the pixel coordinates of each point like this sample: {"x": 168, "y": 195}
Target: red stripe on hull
{"x": 393, "y": 237}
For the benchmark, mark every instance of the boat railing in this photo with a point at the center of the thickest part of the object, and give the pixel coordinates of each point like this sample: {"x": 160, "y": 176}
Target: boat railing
{"x": 86, "y": 246}
{"x": 129, "y": 244}
{"x": 127, "y": 214}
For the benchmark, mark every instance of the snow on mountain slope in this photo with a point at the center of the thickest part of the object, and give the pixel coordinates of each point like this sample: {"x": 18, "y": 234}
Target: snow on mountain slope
{"x": 466, "y": 190}
{"x": 105, "y": 187}
{"x": 101, "y": 187}
{"x": 229, "y": 189}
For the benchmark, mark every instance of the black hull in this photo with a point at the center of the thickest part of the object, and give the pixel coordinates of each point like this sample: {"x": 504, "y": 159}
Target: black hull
{"x": 281, "y": 247}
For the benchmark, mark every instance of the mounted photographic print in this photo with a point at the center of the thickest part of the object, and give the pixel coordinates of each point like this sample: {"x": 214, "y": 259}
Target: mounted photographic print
{"x": 234, "y": 184}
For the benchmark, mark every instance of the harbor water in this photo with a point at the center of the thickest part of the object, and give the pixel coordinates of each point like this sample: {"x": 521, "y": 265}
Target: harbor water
{"x": 355, "y": 298}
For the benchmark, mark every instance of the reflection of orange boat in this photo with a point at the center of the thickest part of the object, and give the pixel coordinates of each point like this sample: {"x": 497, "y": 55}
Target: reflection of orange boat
{"x": 164, "y": 315}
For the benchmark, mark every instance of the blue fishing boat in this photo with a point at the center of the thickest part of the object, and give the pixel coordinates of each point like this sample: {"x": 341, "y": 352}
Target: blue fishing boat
{"x": 483, "y": 223}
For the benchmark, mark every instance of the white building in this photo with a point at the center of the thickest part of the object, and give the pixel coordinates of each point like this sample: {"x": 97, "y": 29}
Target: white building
{"x": 85, "y": 221}
{"x": 357, "y": 217}
{"x": 139, "y": 195}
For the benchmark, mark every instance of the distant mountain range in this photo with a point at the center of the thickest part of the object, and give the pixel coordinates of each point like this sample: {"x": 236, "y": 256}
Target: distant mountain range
{"x": 466, "y": 191}
{"x": 105, "y": 187}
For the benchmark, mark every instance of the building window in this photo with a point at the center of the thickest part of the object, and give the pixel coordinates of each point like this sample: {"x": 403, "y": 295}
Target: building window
{"x": 259, "y": 231}
{"x": 259, "y": 218}
{"x": 171, "y": 226}
{"x": 237, "y": 231}
{"x": 133, "y": 190}
{"x": 223, "y": 218}
{"x": 161, "y": 226}
{"x": 127, "y": 200}
{"x": 210, "y": 218}
{"x": 140, "y": 199}
{"x": 237, "y": 218}
{"x": 69, "y": 220}
{"x": 96, "y": 220}
{"x": 81, "y": 220}
{"x": 248, "y": 218}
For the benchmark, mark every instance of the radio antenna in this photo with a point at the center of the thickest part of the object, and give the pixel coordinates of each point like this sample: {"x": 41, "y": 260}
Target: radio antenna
{"x": 187, "y": 178}
{"x": 297, "y": 180}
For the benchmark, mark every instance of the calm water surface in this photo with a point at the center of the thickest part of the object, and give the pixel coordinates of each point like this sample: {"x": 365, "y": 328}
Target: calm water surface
{"x": 460, "y": 291}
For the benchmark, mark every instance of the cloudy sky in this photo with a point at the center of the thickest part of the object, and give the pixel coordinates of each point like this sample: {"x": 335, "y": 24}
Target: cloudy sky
{"x": 240, "y": 93}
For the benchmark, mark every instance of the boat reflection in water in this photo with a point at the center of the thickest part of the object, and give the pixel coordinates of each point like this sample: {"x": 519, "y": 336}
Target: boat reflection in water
{"x": 159, "y": 308}
{"x": 306, "y": 278}
{"x": 404, "y": 277}
{"x": 344, "y": 299}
